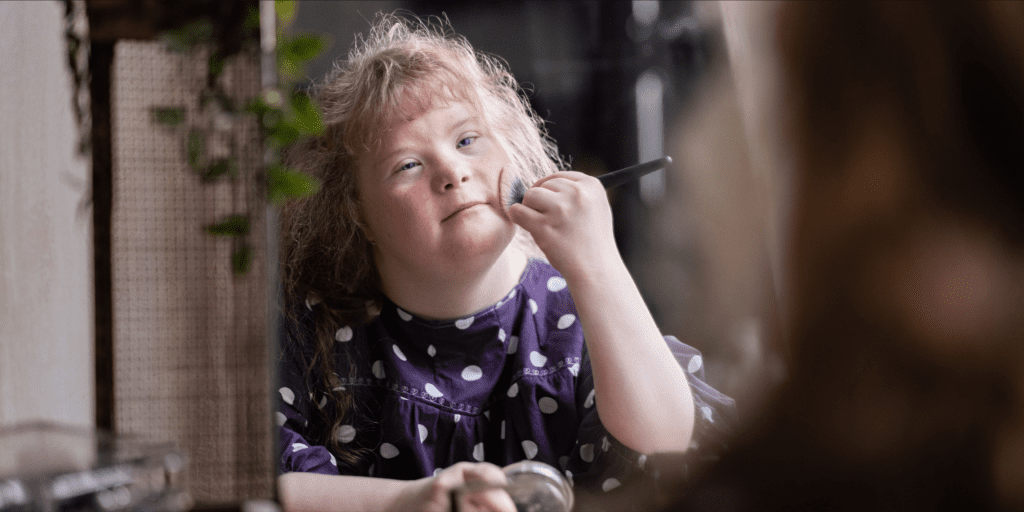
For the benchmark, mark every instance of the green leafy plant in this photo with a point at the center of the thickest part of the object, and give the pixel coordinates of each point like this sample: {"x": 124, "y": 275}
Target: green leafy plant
{"x": 282, "y": 122}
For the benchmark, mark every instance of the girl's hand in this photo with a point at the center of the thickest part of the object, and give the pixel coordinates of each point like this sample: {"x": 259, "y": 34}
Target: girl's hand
{"x": 433, "y": 494}
{"x": 570, "y": 219}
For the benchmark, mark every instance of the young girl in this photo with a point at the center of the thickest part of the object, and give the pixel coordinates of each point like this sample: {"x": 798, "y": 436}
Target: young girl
{"x": 435, "y": 334}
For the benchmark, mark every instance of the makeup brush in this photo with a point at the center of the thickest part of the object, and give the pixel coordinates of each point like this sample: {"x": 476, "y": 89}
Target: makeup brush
{"x": 611, "y": 179}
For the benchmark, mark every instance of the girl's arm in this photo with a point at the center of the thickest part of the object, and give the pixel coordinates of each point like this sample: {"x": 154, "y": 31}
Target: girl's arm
{"x": 310, "y": 492}
{"x": 643, "y": 397}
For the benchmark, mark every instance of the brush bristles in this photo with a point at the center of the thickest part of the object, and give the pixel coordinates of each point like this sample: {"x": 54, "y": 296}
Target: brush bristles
{"x": 516, "y": 192}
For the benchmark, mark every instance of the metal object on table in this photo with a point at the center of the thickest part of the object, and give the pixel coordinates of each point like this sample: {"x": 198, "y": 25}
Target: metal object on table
{"x": 533, "y": 486}
{"x": 46, "y": 467}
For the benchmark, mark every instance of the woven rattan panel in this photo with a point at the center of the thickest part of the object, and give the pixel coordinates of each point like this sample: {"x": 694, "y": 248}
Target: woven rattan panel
{"x": 190, "y": 354}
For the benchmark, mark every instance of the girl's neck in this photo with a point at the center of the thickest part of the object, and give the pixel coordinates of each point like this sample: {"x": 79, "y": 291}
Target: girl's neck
{"x": 457, "y": 294}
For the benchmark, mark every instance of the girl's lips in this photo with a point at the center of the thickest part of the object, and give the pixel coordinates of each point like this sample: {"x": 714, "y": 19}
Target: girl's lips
{"x": 462, "y": 208}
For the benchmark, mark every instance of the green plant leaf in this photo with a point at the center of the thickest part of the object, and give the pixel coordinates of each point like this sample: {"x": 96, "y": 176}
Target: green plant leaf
{"x": 241, "y": 260}
{"x": 284, "y": 183}
{"x": 219, "y": 168}
{"x": 215, "y": 65}
{"x": 306, "y": 116}
{"x": 184, "y": 39}
{"x": 235, "y": 225}
{"x": 282, "y": 134}
{"x": 301, "y": 48}
{"x": 252, "y": 18}
{"x": 194, "y": 149}
{"x": 168, "y": 116}
{"x": 285, "y": 10}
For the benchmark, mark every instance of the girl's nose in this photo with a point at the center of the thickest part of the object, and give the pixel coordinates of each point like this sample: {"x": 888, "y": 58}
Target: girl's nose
{"x": 451, "y": 175}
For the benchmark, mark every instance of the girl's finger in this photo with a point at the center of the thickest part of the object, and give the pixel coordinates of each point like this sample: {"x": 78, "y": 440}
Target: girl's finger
{"x": 541, "y": 199}
{"x": 492, "y": 500}
{"x": 569, "y": 175}
{"x": 485, "y": 472}
{"x": 527, "y": 218}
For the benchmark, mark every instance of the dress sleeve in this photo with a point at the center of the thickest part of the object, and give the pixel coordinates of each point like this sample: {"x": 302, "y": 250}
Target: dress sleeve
{"x": 601, "y": 462}
{"x": 296, "y": 416}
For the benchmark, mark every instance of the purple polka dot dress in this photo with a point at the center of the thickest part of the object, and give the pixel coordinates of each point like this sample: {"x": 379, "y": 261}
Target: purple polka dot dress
{"x": 508, "y": 383}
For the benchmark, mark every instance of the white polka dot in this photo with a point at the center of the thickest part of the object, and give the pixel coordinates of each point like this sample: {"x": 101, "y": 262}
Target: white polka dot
{"x": 706, "y": 411}
{"x": 605, "y": 444}
{"x": 398, "y": 352}
{"x": 339, "y": 388}
{"x": 513, "y": 390}
{"x": 563, "y": 461}
{"x": 501, "y": 335}
{"x": 458, "y": 417}
{"x": 288, "y": 395}
{"x": 343, "y": 334}
{"x": 298, "y": 447}
{"x": 587, "y": 452}
{"x": 388, "y": 451}
{"x": 431, "y": 351}
{"x": 556, "y": 284}
{"x": 437, "y": 471}
{"x": 323, "y": 401}
{"x": 574, "y": 369}
{"x": 281, "y": 419}
{"x": 547, "y": 405}
{"x": 610, "y": 484}
{"x": 568, "y": 474}
{"x": 487, "y": 414}
{"x": 512, "y": 293}
{"x": 513, "y": 345}
{"x": 503, "y": 429}
{"x": 334, "y": 462}
{"x": 432, "y": 391}
{"x": 311, "y": 301}
{"x": 403, "y": 315}
{"x": 537, "y": 359}
{"x": 472, "y": 372}
{"x": 422, "y": 431}
{"x": 641, "y": 461}
{"x": 566, "y": 320}
{"x": 589, "y": 402}
{"x": 533, "y": 306}
{"x": 530, "y": 448}
{"x": 478, "y": 452}
{"x": 464, "y": 323}
{"x": 345, "y": 433}
{"x": 694, "y": 445}
{"x": 695, "y": 363}
{"x": 378, "y": 369}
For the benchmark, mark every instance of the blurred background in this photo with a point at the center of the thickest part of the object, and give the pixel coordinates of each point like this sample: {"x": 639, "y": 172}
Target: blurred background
{"x": 120, "y": 309}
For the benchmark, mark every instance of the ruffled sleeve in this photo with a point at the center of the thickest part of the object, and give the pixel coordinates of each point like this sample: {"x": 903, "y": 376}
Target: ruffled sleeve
{"x": 600, "y": 463}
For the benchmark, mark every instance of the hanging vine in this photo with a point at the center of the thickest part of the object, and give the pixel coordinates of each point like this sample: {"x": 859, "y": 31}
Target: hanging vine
{"x": 281, "y": 122}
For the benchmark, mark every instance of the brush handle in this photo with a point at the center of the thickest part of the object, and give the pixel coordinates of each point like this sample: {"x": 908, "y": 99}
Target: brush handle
{"x": 621, "y": 176}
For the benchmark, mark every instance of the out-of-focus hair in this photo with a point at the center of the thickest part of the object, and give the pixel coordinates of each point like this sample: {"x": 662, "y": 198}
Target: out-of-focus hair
{"x": 401, "y": 69}
{"x": 906, "y": 123}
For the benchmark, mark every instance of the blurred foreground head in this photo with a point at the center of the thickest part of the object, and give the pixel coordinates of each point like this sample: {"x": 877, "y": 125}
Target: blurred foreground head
{"x": 905, "y": 323}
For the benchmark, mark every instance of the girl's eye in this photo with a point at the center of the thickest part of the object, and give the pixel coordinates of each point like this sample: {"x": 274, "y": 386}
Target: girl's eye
{"x": 465, "y": 142}
{"x": 408, "y": 166}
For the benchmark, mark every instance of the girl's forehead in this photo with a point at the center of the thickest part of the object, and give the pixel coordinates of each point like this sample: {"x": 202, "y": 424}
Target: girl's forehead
{"x": 411, "y": 112}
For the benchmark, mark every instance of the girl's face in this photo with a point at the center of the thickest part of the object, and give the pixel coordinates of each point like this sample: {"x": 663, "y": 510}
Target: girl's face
{"x": 430, "y": 195}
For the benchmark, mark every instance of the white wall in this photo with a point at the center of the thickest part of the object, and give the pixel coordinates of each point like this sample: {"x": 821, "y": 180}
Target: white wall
{"x": 46, "y": 301}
